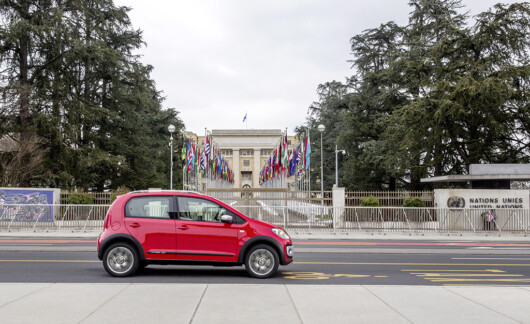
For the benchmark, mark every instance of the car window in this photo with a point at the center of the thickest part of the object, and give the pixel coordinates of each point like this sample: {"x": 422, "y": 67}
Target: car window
{"x": 200, "y": 210}
{"x": 148, "y": 207}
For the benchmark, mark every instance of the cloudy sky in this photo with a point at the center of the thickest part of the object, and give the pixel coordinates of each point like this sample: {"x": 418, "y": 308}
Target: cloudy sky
{"x": 216, "y": 61}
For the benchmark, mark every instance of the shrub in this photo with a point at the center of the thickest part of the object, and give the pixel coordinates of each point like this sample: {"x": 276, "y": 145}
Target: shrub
{"x": 369, "y": 202}
{"x": 118, "y": 192}
{"x": 413, "y": 202}
{"x": 80, "y": 198}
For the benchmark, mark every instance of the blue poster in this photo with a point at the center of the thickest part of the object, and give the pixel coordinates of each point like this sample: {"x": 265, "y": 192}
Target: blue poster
{"x": 15, "y": 205}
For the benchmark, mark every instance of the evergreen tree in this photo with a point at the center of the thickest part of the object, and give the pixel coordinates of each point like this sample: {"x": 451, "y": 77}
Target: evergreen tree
{"x": 431, "y": 97}
{"x": 88, "y": 99}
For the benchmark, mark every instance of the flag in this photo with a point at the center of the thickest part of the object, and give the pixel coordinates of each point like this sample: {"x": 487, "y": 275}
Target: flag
{"x": 297, "y": 155}
{"x": 293, "y": 162}
{"x": 207, "y": 147}
{"x": 183, "y": 152}
{"x": 203, "y": 164}
{"x": 188, "y": 158}
{"x": 308, "y": 152}
{"x": 245, "y": 118}
{"x": 285, "y": 157}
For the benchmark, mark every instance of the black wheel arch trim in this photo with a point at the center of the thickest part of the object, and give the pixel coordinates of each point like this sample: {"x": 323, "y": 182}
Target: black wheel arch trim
{"x": 262, "y": 239}
{"x": 124, "y": 238}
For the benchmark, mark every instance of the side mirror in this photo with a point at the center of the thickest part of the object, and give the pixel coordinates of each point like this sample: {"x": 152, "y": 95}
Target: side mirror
{"x": 227, "y": 219}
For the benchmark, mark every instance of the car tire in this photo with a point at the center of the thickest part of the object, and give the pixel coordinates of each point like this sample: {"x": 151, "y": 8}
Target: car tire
{"x": 121, "y": 260}
{"x": 262, "y": 261}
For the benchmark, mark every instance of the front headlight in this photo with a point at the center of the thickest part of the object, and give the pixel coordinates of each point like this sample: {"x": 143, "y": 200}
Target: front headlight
{"x": 281, "y": 233}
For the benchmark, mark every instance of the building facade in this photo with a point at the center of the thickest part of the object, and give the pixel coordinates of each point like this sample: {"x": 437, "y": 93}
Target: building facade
{"x": 246, "y": 151}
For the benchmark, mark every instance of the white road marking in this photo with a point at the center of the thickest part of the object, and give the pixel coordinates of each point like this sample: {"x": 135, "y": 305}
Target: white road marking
{"x": 490, "y": 258}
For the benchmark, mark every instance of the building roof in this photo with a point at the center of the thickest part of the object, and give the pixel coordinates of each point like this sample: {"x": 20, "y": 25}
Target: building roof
{"x": 478, "y": 172}
{"x": 246, "y": 132}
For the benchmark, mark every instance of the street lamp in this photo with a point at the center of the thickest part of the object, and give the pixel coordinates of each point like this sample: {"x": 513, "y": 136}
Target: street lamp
{"x": 321, "y": 129}
{"x": 337, "y": 165}
{"x": 171, "y": 130}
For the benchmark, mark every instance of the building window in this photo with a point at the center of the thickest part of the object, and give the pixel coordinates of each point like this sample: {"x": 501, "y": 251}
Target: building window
{"x": 289, "y": 142}
{"x": 247, "y": 152}
{"x": 226, "y": 152}
{"x": 265, "y": 152}
{"x": 246, "y": 163}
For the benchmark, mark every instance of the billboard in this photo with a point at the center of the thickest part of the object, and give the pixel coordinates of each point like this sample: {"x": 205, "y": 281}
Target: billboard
{"x": 16, "y": 204}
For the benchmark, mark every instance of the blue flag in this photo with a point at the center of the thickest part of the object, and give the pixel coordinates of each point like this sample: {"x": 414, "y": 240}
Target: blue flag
{"x": 245, "y": 118}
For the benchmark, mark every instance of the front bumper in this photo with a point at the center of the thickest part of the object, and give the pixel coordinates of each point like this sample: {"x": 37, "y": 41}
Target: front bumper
{"x": 289, "y": 249}
{"x": 289, "y": 254}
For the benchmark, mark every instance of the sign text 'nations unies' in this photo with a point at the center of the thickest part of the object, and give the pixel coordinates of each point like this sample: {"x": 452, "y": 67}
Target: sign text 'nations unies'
{"x": 482, "y": 198}
{"x": 479, "y": 202}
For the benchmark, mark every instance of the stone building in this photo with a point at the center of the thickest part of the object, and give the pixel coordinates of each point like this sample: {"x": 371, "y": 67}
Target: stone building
{"x": 246, "y": 151}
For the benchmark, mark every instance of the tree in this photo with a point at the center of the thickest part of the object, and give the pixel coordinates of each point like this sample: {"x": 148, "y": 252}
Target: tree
{"x": 431, "y": 97}
{"x": 465, "y": 89}
{"x": 83, "y": 94}
{"x": 374, "y": 96}
{"x": 22, "y": 41}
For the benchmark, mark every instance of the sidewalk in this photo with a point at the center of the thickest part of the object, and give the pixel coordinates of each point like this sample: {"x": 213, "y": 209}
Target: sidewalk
{"x": 302, "y": 235}
{"x": 200, "y": 303}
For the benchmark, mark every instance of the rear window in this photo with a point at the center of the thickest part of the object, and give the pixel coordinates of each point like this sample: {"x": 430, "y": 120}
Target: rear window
{"x": 149, "y": 207}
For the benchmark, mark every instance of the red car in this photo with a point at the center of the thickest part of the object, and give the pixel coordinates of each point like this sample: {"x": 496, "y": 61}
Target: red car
{"x": 173, "y": 227}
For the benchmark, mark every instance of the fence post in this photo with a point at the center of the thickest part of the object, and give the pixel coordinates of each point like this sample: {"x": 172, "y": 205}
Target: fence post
{"x": 339, "y": 202}
{"x": 88, "y": 218}
{"x": 285, "y": 211}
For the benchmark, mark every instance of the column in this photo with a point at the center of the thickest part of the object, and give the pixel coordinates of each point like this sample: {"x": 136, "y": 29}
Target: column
{"x": 256, "y": 168}
{"x": 237, "y": 171}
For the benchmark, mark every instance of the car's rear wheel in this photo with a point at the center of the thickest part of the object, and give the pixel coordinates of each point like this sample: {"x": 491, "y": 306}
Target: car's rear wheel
{"x": 121, "y": 260}
{"x": 261, "y": 261}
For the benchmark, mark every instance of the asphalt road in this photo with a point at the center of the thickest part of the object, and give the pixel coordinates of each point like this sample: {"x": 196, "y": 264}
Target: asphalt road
{"x": 347, "y": 262}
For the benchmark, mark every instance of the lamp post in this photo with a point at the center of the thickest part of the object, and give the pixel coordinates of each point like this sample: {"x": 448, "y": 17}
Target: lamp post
{"x": 171, "y": 130}
{"x": 321, "y": 129}
{"x": 337, "y": 165}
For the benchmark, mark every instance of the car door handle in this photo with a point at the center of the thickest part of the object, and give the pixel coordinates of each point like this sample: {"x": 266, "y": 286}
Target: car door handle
{"x": 184, "y": 227}
{"x": 134, "y": 225}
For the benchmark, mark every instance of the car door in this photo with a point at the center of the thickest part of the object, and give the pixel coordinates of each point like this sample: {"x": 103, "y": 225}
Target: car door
{"x": 201, "y": 235}
{"x": 149, "y": 219}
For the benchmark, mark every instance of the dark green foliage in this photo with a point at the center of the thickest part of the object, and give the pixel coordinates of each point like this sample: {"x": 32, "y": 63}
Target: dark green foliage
{"x": 73, "y": 85}
{"x": 369, "y": 202}
{"x": 80, "y": 198}
{"x": 413, "y": 202}
{"x": 428, "y": 99}
{"x": 118, "y": 192}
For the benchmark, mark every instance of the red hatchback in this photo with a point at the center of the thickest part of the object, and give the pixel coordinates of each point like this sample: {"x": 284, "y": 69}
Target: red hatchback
{"x": 173, "y": 227}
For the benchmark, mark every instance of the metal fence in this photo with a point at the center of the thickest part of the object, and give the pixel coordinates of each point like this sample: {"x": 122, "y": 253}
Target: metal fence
{"x": 52, "y": 217}
{"x": 296, "y": 216}
{"x": 100, "y": 198}
{"x": 390, "y": 219}
{"x": 274, "y": 196}
{"x": 353, "y": 198}
{"x": 389, "y": 198}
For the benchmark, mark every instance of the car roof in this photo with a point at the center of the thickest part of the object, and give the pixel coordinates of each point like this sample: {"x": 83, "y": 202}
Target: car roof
{"x": 165, "y": 191}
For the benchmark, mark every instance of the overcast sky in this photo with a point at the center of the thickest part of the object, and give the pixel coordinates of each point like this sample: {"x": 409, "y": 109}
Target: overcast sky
{"x": 216, "y": 61}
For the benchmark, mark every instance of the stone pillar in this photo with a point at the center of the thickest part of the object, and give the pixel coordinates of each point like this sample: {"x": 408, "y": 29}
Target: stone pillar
{"x": 237, "y": 171}
{"x": 256, "y": 169}
{"x": 339, "y": 202}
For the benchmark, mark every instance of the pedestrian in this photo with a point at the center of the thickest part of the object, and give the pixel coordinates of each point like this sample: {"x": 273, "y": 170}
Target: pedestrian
{"x": 489, "y": 220}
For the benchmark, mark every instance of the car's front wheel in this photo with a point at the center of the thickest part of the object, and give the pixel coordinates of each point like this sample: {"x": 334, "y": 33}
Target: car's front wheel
{"x": 121, "y": 260}
{"x": 262, "y": 261}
